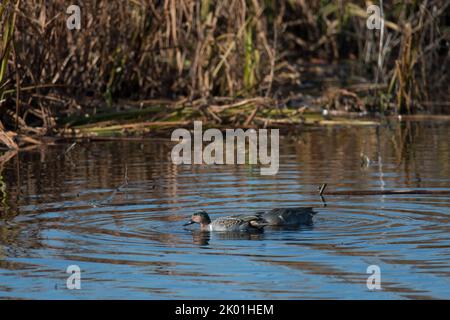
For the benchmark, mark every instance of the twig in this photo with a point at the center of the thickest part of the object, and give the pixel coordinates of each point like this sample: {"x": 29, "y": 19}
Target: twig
{"x": 66, "y": 152}
{"x": 251, "y": 117}
{"x": 110, "y": 198}
{"x": 256, "y": 101}
{"x": 322, "y": 189}
{"x": 8, "y": 139}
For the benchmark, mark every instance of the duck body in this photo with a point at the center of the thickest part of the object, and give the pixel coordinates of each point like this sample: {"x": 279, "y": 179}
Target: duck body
{"x": 229, "y": 223}
{"x": 288, "y": 216}
{"x": 237, "y": 223}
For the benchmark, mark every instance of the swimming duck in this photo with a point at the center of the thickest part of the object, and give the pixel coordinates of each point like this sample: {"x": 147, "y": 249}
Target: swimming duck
{"x": 274, "y": 217}
{"x": 288, "y": 216}
{"x": 230, "y": 223}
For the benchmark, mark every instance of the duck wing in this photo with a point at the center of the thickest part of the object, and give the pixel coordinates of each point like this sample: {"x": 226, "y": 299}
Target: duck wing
{"x": 256, "y": 221}
{"x": 239, "y": 222}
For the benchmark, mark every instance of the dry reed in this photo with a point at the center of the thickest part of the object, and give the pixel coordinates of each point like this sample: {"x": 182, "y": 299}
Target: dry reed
{"x": 207, "y": 53}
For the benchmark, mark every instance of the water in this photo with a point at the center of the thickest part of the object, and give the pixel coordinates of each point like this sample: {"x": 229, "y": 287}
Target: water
{"x": 58, "y": 211}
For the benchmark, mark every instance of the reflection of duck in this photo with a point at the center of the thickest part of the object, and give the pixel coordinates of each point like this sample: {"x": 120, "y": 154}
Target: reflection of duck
{"x": 275, "y": 217}
{"x": 204, "y": 237}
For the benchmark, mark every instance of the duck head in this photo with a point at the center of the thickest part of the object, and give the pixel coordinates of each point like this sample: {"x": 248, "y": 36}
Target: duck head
{"x": 200, "y": 217}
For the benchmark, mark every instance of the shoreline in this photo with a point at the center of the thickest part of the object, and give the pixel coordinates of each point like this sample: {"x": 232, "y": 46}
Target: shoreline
{"x": 142, "y": 128}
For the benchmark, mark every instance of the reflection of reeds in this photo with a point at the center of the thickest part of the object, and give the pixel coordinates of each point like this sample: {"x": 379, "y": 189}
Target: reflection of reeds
{"x": 4, "y": 158}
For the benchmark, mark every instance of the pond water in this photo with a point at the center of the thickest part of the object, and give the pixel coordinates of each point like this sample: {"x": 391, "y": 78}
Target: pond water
{"x": 130, "y": 243}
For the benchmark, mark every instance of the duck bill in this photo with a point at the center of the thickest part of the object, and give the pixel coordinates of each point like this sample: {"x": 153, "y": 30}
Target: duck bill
{"x": 188, "y": 223}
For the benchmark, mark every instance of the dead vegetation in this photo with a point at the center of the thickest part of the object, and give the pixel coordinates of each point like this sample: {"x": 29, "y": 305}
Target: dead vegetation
{"x": 229, "y": 62}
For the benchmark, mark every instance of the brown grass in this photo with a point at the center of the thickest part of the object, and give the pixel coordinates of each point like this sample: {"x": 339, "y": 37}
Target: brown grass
{"x": 208, "y": 53}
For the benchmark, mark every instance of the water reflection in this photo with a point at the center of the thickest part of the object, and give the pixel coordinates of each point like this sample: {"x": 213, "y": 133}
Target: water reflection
{"x": 203, "y": 237}
{"x": 117, "y": 209}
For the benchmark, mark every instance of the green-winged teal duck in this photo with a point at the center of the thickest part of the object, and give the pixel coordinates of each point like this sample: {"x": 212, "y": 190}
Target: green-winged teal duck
{"x": 230, "y": 223}
{"x": 275, "y": 217}
{"x": 288, "y": 216}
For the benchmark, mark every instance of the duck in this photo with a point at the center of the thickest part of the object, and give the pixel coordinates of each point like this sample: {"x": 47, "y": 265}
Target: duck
{"x": 288, "y": 216}
{"x": 257, "y": 222}
{"x": 230, "y": 223}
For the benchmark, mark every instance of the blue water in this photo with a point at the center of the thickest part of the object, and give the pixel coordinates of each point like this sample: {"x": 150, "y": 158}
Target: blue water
{"x": 131, "y": 244}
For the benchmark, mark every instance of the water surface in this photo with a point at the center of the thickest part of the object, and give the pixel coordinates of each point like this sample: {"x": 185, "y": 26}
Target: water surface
{"x": 61, "y": 210}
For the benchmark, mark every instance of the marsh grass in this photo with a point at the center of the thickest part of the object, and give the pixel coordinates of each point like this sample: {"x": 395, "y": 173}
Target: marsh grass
{"x": 7, "y": 24}
{"x": 208, "y": 53}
